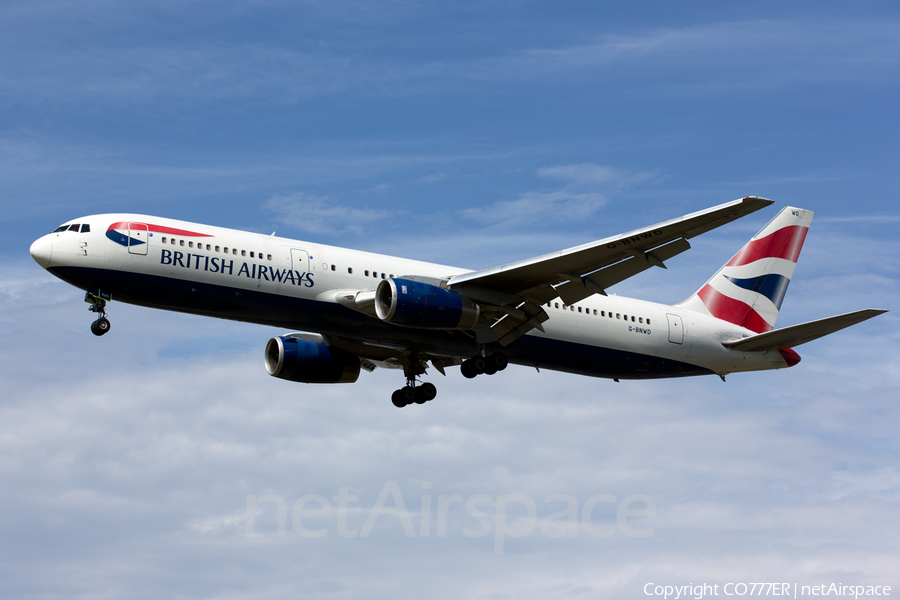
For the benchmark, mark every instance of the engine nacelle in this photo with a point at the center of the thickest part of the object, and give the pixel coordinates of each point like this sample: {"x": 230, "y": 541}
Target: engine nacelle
{"x": 305, "y": 361}
{"x": 413, "y": 304}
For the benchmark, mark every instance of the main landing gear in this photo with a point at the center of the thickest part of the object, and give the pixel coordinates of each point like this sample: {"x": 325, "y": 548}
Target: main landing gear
{"x": 98, "y": 305}
{"x": 487, "y": 365}
{"x": 413, "y": 394}
{"x": 410, "y": 394}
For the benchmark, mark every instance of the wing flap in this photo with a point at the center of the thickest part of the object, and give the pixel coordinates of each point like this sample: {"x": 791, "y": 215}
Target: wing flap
{"x": 795, "y": 335}
{"x": 579, "y": 288}
{"x": 526, "y": 317}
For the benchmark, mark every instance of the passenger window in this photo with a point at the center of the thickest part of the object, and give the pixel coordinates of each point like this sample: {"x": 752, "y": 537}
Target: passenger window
{"x": 234, "y": 251}
{"x": 640, "y": 319}
{"x": 164, "y": 240}
{"x": 217, "y": 248}
{"x": 190, "y": 244}
{"x": 579, "y": 309}
{"x": 632, "y": 318}
{"x": 618, "y": 315}
{"x": 367, "y": 273}
{"x": 85, "y": 228}
{"x": 595, "y": 312}
{"x": 557, "y": 304}
{"x": 268, "y": 257}
{"x": 332, "y": 267}
{"x": 74, "y": 228}
{"x": 243, "y": 253}
{"x": 251, "y": 254}
{"x": 350, "y": 270}
{"x": 207, "y": 246}
{"x": 182, "y": 242}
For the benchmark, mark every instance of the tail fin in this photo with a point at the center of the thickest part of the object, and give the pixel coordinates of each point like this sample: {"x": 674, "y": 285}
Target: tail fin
{"x": 749, "y": 289}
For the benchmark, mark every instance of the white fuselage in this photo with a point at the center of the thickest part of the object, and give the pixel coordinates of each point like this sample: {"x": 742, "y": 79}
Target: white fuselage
{"x": 293, "y": 284}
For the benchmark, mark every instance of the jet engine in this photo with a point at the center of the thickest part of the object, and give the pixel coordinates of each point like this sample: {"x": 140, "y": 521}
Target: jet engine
{"x": 414, "y": 304}
{"x": 297, "y": 359}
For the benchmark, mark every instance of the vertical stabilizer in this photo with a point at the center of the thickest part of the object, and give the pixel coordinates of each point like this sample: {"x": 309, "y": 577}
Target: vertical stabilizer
{"x": 749, "y": 289}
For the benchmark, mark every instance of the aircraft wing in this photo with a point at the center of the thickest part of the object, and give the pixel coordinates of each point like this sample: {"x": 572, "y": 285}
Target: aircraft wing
{"x": 518, "y": 289}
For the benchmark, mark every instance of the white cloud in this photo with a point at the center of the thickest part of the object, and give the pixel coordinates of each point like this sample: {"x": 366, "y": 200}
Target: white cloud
{"x": 317, "y": 214}
{"x": 706, "y": 57}
{"x": 433, "y": 177}
{"x": 122, "y": 458}
{"x": 584, "y": 192}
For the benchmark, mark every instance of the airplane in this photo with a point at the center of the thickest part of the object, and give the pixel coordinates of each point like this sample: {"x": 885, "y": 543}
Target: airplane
{"x": 354, "y": 310}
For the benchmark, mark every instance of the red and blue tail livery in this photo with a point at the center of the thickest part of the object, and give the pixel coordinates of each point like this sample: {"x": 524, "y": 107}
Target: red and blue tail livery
{"x": 353, "y": 311}
{"x": 749, "y": 289}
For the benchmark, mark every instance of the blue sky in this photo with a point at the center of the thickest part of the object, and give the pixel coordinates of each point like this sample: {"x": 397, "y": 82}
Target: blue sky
{"x": 470, "y": 134}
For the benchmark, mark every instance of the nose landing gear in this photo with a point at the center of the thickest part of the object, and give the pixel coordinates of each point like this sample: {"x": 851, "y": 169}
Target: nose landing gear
{"x": 98, "y": 305}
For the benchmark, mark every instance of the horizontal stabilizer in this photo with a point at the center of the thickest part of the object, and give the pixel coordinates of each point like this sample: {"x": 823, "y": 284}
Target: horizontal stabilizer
{"x": 800, "y": 334}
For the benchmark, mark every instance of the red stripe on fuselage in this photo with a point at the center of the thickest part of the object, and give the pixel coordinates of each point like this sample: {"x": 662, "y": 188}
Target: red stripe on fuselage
{"x": 784, "y": 243}
{"x": 158, "y": 229}
{"x": 734, "y": 311}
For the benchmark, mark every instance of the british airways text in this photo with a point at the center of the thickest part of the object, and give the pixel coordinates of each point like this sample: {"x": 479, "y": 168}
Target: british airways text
{"x": 214, "y": 264}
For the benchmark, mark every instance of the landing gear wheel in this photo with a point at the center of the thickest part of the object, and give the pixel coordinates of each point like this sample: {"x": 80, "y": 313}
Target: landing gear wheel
{"x": 100, "y": 326}
{"x": 490, "y": 368}
{"x": 397, "y": 399}
{"x": 408, "y": 393}
{"x": 428, "y": 391}
{"x": 500, "y": 361}
{"x": 480, "y": 364}
{"x": 468, "y": 370}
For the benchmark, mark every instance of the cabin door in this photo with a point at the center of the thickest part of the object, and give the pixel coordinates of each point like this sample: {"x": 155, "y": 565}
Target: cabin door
{"x": 676, "y": 329}
{"x": 138, "y": 238}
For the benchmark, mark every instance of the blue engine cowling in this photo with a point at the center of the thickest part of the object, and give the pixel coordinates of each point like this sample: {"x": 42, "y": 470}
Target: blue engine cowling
{"x": 414, "y": 304}
{"x": 297, "y": 359}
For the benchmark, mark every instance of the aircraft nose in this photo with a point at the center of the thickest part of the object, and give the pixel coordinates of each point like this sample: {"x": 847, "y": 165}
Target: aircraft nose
{"x": 41, "y": 250}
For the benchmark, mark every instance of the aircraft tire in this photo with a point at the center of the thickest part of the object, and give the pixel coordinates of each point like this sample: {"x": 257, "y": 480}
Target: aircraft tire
{"x": 500, "y": 361}
{"x": 468, "y": 370}
{"x": 100, "y": 326}
{"x": 428, "y": 391}
{"x": 397, "y": 399}
{"x": 490, "y": 368}
{"x": 480, "y": 364}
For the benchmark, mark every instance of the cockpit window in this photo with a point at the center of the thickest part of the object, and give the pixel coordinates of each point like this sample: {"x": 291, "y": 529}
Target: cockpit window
{"x": 74, "y": 228}
{"x": 85, "y": 228}
{"x": 60, "y": 228}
